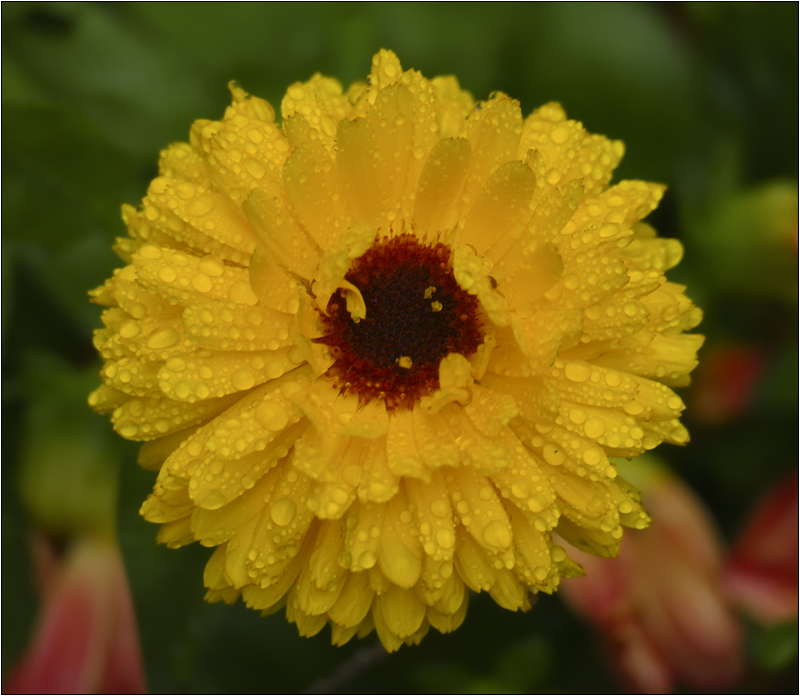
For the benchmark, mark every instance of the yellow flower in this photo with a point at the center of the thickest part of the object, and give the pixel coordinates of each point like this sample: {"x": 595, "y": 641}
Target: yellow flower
{"x": 380, "y": 352}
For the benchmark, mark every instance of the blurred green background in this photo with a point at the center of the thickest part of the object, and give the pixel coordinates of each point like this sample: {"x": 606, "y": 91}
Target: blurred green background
{"x": 705, "y": 96}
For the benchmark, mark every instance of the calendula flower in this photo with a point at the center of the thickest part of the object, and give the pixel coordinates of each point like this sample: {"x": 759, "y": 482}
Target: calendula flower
{"x": 380, "y": 351}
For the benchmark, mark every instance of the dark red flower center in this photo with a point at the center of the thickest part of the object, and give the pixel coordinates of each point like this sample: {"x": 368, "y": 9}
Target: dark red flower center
{"x": 416, "y": 315}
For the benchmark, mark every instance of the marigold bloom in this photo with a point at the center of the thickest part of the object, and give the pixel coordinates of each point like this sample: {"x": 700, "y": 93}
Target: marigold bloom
{"x": 379, "y": 352}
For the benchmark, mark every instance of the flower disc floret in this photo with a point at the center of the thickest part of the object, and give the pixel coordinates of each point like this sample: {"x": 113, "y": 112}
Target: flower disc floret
{"x": 416, "y": 315}
{"x": 380, "y": 353}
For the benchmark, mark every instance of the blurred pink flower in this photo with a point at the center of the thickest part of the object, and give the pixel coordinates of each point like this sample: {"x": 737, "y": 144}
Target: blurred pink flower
{"x": 660, "y": 604}
{"x": 86, "y": 639}
{"x": 761, "y": 574}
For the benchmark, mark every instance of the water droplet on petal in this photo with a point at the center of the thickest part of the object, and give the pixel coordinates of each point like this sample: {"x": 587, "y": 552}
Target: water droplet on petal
{"x": 497, "y": 534}
{"x": 243, "y": 379}
{"x": 163, "y": 339}
{"x": 445, "y": 538}
{"x": 201, "y": 205}
{"x": 553, "y": 455}
{"x": 521, "y": 489}
{"x": 130, "y": 329}
{"x": 367, "y": 559}
{"x": 271, "y": 416}
{"x": 594, "y": 427}
{"x": 577, "y": 372}
{"x": 201, "y": 282}
{"x": 283, "y": 511}
{"x": 167, "y": 274}
{"x": 559, "y": 135}
{"x": 439, "y": 508}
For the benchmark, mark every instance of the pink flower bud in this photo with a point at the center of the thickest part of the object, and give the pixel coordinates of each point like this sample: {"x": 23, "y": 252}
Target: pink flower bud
{"x": 86, "y": 639}
{"x": 660, "y": 604}
{"x": 761, "y": 574}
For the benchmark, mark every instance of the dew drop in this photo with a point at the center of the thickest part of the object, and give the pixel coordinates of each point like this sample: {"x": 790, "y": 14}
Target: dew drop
{"x": 130, "y": 329}
{"x": 445, "y": 538}
{"x": 201, "y": 282}
{"x": 167, "y": 274}
{"x": 497, "y": 534}
{"x": 201, "y": 206}
{"x": 163, "y": 339}
{"x": 162, "y": 425}
{"x": 212, "y": 266}
{"x": 520, "y": 489}
{"x": 553, "y": 455}
{"x": 150, "y": 252}
{"x": 596, "y": 505}
{"x": 439, "y": 508}
{"x": 271, "y": 416}
{"x": 328, "y": 125}
{"x": 541, "y": 574}
{"x": 243, "y": 379}
{"x": 152, "y": 213}
{"x": 367, "y": 559}
{"x": 559, "y": 135}
{"x": 378, "y": 489}
{"x": 536, "y": 504}
{"x": 128, "y": 429}
{"x": 577, "y": 372}
{"x": 594, "y": 427}
{"x": 254, "y": 168}
{"x": 592, "y": 456}
{"x": 577, "y": 415}
{"x": 240, "y": 292}
{"x": 255, "y": 135}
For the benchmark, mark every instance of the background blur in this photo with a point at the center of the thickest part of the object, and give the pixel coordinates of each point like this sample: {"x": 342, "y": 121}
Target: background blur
{"x": 705, "y": 97}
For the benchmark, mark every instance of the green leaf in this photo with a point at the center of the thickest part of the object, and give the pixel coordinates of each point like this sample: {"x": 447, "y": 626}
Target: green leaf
{"x": 777, "y": 646}
{"x": 64, "y": 184}
{"x": 524, "y": 664}
{"x": 102, "y": 60}
{"x": 65, "y": 174}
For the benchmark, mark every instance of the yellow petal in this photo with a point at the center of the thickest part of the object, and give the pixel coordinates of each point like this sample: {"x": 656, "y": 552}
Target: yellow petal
{"x": 273, "y": 222}
{"x": 441, "y": 180}
{"x": 372, "y": 155}
{"x": 311, "y": 181}
{"x": 434, "y": 515}
{"x": 320, "y": 102}
{"x": 401, "y": 611}
{"x": 353, "y": 602}
{"x": 501, "y": 208}
{"x": 400, "y": 555}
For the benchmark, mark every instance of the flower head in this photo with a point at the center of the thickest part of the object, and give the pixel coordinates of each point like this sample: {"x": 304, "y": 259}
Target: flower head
{"x": 661, "y": 604}
{"x": 86, "y": 641}
{"x": 761, "y": 574}
{"x": 380, "y": 351}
